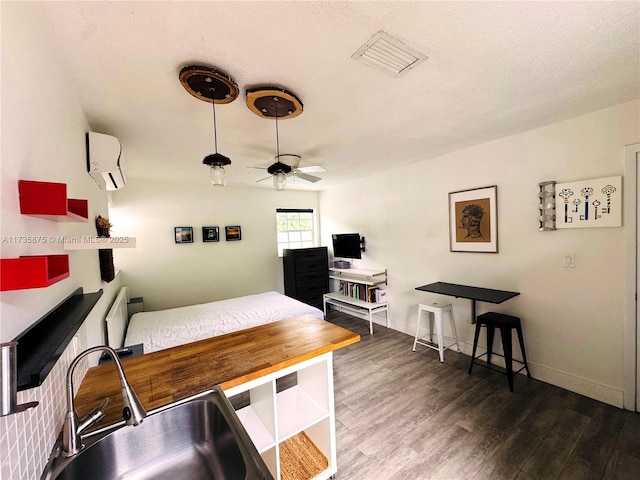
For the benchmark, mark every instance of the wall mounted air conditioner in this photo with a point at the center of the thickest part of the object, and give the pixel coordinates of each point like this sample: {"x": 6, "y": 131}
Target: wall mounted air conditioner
{"x": 103, "y": 161}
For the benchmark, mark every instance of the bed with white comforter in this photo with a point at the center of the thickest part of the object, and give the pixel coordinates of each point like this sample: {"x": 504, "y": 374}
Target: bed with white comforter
{"x": 177, "y": 326}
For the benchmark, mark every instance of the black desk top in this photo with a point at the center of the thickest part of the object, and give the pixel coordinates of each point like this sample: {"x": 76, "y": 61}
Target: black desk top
{"x": 465, "y": 291}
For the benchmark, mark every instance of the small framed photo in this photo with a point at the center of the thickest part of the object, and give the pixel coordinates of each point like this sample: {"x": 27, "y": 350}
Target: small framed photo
{"x": 210, "y": 234}
{"x": 183, "y": 234}
{"x": 233, "y": 233}
{"x": 473, "y": 220}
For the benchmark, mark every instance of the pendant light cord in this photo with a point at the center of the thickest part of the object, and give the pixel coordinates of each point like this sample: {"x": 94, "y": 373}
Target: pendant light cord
{"x": 215, "y": 136}
{"x": 277, "y": 136}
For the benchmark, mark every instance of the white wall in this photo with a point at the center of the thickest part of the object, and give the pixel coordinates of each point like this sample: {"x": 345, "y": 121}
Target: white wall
{"x": 43, "y": 138}
{"x": 573, "y": 318}
{"x": 167, "y": 274}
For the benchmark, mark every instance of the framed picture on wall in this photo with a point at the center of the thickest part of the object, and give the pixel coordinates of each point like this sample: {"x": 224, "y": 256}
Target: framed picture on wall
{"x": 473, "y": 220}
{"x": 233, "y": 233}
{"x": 210, "y": 234}
{"x": 589, "y": 203}
{"x": 183, "y": 234}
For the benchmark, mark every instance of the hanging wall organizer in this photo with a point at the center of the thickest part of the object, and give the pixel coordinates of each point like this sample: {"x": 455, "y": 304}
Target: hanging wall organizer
{"x": 589, "y": 203}
{"x": 547, "y": 207}
{"x": 582, "y": 204}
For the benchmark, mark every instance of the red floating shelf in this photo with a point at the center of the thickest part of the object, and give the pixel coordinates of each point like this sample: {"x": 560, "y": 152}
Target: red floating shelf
{"x": 49, "y": 200}
{"x": 35, "y": 271}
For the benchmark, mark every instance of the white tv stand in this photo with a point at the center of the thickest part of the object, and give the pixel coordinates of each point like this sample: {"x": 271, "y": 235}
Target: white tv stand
{"x": 355, "y": 305}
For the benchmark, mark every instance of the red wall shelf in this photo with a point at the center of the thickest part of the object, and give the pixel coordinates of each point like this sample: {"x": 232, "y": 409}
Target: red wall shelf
{"x": 35, "y": 271}
{"x": 49, "y": 200}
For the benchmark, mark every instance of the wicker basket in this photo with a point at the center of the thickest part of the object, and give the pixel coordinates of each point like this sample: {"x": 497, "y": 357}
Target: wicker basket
{"x": 301, "y": 459}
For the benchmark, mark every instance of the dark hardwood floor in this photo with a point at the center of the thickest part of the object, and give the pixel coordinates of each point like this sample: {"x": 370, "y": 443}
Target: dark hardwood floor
{"x": 402, "y": 415}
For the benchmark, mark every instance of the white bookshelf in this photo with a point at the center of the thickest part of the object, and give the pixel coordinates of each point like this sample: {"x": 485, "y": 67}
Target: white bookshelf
{"x": 357, "y": 306}
{"x": 306, "y": 408}
{"x": 358, "y": 275}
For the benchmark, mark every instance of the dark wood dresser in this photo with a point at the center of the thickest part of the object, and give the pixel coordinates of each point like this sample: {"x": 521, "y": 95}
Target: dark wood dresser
{"x": 306, "y": 274}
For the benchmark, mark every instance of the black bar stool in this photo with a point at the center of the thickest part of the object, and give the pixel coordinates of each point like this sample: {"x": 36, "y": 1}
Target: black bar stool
{"x": 493, "y": 320}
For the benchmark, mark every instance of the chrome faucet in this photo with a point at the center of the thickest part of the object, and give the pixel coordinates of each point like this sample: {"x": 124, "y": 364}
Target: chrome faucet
{"x": 133, "y": 412}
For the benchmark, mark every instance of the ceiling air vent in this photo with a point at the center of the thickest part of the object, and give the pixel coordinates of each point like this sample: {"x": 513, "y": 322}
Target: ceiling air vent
{"x": 386, "y": 53}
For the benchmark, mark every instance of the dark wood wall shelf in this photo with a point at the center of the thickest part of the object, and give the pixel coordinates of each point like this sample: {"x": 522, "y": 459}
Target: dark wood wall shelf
{"x": 49, "y": 200}
{"x": 32, "y": 271}
{"x": 42, "y": 344}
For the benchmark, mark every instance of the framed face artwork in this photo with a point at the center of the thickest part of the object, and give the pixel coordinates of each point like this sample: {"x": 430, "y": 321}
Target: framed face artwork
{"x": 473, "y": 220}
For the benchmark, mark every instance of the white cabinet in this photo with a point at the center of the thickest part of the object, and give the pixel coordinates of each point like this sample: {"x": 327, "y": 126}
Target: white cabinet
{"x": 294, "y": 429}
{"x": 356, "y": 292}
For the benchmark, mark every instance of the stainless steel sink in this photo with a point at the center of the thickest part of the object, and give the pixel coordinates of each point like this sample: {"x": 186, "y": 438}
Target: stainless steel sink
{"x": 199, "y": 438}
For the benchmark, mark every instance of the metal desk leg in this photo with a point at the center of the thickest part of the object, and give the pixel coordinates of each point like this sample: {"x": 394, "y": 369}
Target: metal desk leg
{"x": 473, "y": 312}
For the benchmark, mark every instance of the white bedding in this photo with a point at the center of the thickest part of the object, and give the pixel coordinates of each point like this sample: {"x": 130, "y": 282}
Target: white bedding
{"x": 177, "y": 326}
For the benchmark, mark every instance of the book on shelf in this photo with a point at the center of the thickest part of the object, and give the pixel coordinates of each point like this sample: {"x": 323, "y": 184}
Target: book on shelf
{"x": 359, "y": 291}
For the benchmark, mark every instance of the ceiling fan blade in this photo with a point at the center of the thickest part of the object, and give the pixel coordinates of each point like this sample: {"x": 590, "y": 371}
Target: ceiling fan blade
{"x": 308, "y": 178}
{"x": 262, "y": 179}
{"x": 261, "y": 168}
{"x": 312, "y": 169}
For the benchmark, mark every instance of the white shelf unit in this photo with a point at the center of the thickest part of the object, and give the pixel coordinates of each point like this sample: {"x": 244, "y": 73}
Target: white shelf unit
{"x": 355, "y": 305}
{"x": 272, "y": 419}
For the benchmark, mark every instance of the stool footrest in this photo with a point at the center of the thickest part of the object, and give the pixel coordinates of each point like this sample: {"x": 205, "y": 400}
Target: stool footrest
{"x": 497, "y": 368}
{"x": 434, "y": 345}
{"x": 497, "y": 355}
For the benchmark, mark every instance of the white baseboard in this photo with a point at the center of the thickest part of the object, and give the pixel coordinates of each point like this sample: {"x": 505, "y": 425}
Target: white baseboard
{"x": 574, "y": 383}
{"x": 559, "y": 378}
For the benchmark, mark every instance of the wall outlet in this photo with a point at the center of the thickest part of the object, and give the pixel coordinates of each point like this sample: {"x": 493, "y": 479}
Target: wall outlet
{"x": 569, "y": 260}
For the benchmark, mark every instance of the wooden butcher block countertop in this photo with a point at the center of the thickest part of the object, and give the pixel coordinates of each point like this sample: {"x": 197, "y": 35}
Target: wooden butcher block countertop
{"x": 163, "y": 377}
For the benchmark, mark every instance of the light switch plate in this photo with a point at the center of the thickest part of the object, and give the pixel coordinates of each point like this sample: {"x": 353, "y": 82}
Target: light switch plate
{"x": 569, "y": 260}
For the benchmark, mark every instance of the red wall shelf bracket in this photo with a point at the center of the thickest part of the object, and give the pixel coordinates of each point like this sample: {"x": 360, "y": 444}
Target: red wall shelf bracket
{"x": 32, "y": 271}
{"x": 49, "y": 200}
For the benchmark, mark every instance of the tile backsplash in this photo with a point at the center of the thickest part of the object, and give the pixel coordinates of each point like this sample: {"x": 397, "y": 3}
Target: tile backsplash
{"x": 27, "y": 438}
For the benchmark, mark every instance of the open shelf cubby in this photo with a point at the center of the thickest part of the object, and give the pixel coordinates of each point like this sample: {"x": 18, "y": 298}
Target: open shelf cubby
{"x": 49, "y": 200}
{"x": 33, "y": 271}
{"x": 292, "y": 425}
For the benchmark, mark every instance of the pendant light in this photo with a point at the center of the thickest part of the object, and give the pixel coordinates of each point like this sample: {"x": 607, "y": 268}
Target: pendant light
{"x": 278, "y": 103}
{"x": 279, "y": 176}
{"x": 216, "y": 161}
{"x": 211, "y": 85}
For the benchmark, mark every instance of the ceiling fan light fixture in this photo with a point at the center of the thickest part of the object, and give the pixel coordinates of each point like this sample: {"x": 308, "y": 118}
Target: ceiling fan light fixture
{"x": 280, "y": 181}
{"x": 279, "y": 104}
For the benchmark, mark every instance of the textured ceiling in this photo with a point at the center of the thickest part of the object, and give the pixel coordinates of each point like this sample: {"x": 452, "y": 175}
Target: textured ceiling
{"x": 494, "y": 69}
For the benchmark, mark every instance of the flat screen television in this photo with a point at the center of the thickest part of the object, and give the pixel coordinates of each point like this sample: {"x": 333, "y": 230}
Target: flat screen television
{"x": 347, "y": 245}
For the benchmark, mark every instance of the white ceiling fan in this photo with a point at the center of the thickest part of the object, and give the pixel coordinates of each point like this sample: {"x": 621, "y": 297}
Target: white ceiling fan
{"x": 288, "y": 164}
